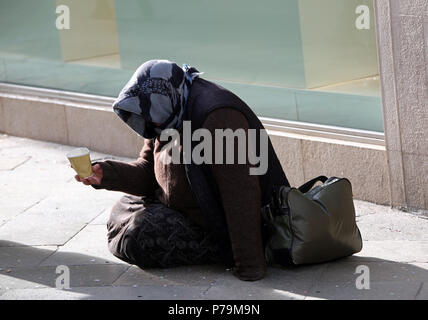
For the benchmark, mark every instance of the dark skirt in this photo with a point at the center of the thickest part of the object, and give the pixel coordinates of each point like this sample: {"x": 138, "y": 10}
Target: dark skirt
{"x": 146, "y": 233}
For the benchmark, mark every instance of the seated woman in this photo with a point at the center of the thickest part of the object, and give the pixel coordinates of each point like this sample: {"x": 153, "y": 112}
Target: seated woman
{"x": 187, "y": 212}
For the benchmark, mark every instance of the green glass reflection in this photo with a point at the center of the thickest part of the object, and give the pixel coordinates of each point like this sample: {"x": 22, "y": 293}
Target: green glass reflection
{"x": 301, "y": 60}
{"x": 244, "y": 41}
{"x": 26, "y": 29}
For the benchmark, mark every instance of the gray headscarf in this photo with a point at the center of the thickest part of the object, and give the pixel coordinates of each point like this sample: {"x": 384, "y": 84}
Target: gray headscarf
{"x": 156, "y": 93}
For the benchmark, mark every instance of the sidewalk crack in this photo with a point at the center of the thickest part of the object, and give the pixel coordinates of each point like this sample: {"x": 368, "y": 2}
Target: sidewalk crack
{"x": 101, "y": 212}
{"x": 120, "y": 275}
{"x": 4, "y": 222}
{"x": 43, "y": 260}
{"x": 209, "y": 287}
{"x": 34, "y": 204}
{"x": 419, "y": 290}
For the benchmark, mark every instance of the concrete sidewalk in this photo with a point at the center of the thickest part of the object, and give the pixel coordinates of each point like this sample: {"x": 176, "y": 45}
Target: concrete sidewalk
{"x": 47, "y": 219}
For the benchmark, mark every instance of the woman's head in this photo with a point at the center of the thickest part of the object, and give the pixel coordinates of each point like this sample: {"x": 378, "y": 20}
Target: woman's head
{"x": 155, "y": 97}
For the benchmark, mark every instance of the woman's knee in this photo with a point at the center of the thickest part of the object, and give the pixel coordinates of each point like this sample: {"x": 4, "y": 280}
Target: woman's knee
{"x": 130, "y": 250}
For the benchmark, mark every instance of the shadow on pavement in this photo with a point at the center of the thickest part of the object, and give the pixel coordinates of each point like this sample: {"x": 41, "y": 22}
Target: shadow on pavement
{"x": 333, "y": 280}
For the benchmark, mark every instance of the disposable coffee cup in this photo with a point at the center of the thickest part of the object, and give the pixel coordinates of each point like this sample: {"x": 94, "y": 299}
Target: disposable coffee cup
{"x": 81, "y": 162}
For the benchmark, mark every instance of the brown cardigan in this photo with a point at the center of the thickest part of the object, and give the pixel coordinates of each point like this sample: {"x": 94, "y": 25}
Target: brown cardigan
{"x": 240, "y": 192}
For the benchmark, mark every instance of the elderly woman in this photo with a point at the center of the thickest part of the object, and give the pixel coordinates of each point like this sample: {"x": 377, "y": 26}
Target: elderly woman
{"x": 186, "y": 213}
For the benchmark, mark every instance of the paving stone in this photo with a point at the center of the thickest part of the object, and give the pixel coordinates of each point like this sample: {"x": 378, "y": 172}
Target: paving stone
{"x": 82, "y": 202}
{"x": 102, "y": 218}
{"x": 395, "y": 250}
{"x": 38, "y": 173}
{"x": 251, "y": 291}
{"x": 59, "y": 217}
{"x": 19, "y": 195}
{"x": 10, "y": 207}
{"x": 42, "y": 150}
{"x": 45, "y": 152}
{"x": 23, "y": 256}
{"x": 20, "y": 192}
{"x": 382, "y": 271}
{"x": 48, "y": 161}
{"x": 202, "y": 275}
{"x": 389, "y": 290}
{"x": 306, "y": 273}
{"x": 108, "y": 293}
{"x": 363, "y": 208}
{"x": 395, "y": 225}
{"x": 40, "y": 229}
{"x": 279, "y": 283}
{"x": 277, "y": 278}
{"x": 80, "y": 276}
{"x": 422, "y": 293}
{"x": 12, "y": 163}
{"x": 88, "y": 247}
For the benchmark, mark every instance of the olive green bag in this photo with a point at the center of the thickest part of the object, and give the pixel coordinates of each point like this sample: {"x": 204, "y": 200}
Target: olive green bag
{"x": 311, "y": 225}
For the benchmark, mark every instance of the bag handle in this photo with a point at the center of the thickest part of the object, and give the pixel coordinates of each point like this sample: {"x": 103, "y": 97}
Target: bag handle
{"x": 308, "y": 185}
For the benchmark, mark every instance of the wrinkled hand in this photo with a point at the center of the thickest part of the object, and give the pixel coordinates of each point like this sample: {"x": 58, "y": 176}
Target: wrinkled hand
{"x": 94, "y": 179}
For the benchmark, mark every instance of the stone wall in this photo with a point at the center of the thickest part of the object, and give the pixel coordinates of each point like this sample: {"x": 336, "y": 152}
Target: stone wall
{"x": 402, "y": 30}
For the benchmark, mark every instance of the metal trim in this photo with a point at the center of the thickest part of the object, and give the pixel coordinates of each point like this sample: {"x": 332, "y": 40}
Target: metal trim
{"x": 324, "y": 131}
{"x": 67, "y": 96}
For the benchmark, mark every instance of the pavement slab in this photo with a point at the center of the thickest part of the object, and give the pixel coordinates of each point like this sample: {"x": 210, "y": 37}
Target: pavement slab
{"x": 202, "y": 275}
{"x": 393, "y": 250}
{"x": 389, "y": 290}
{"x": 45, "y": 276}
{"x": 291, "y": 283}
{"x": 58, "y": 217}
{"x": 108, "y": 293}
{"x": 27, "y": 256}
{"x": 102, "y": 218}
{"x": 382, "y": 271}
{"x": 393, "y": 225}
{"x": 89, "y": 246}
{"x": 422, "y": 293}
{"x": 11, "y": 163}
{"x": 254, "y": 292}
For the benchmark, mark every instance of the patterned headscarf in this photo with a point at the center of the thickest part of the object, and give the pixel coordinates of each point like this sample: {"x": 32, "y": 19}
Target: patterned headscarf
{"x": 156, "y": 93}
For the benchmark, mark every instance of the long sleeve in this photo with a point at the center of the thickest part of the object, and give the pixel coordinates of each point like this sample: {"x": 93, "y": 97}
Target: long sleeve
{"x": 136, "y": 178}
{"x": 241, "y": 199}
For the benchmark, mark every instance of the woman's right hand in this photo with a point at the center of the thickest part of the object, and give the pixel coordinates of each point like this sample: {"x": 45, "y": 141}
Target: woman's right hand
{"x": 95, "y": 178}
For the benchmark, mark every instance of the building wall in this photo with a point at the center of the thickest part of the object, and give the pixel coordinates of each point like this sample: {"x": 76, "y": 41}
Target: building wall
{"x": 402, "y": 30}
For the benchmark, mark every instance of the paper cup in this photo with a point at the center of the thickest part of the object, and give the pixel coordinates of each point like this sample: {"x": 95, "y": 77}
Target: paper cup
{"x": 81, "y": 162}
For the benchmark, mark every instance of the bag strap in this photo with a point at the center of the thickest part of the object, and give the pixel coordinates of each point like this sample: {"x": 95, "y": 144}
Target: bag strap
{"x": 308, "y": 185}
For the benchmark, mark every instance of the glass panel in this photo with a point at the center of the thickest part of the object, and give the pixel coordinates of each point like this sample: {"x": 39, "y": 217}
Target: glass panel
{"x": 302, "y": 60}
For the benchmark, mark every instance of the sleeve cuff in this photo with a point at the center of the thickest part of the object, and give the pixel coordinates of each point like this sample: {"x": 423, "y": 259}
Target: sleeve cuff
{"x": 109, "y": 176}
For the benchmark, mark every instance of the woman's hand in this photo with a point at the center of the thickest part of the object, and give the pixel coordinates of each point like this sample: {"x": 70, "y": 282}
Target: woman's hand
{"x": 95, "y": 178}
